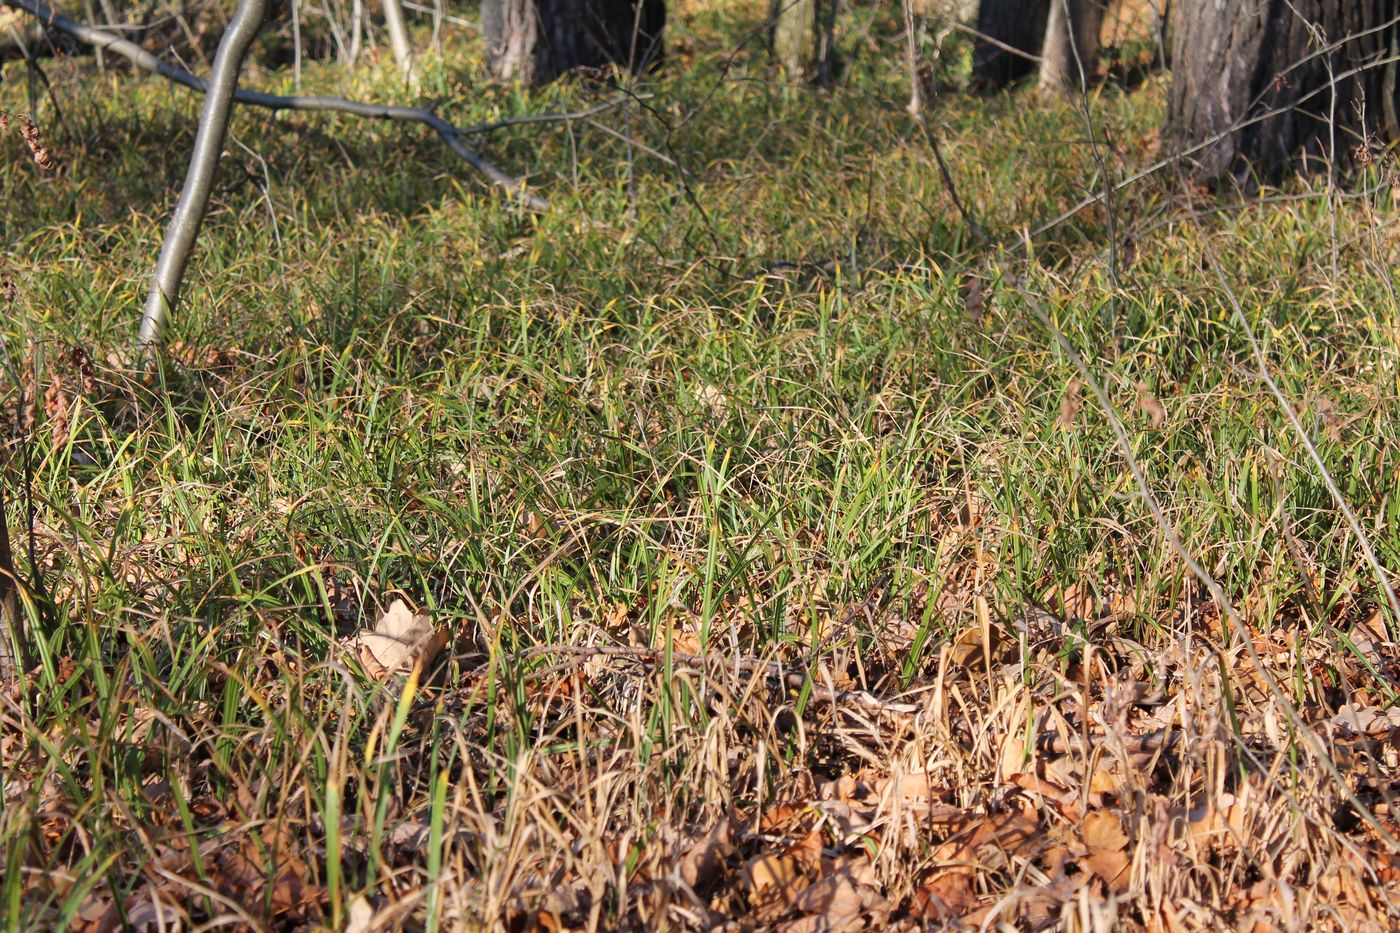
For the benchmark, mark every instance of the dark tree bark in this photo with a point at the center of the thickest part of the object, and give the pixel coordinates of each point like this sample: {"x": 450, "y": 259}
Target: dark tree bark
{"x": 539, "y": 40}
{"x": 1069, "y": 59}
{"x": 1263, "y": 86}
{"x": 1008, "y": 27}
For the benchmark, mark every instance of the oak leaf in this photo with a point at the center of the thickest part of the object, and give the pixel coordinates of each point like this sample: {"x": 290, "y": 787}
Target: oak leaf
{"x": 400, "y": 639}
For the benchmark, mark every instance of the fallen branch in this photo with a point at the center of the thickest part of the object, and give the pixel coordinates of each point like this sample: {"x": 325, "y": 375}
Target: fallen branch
{"x": 102, "y": 39}
{"x": 221, "y": 92}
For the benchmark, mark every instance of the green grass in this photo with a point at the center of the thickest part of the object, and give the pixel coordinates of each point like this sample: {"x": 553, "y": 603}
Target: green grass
{"x": 608, "y": 424}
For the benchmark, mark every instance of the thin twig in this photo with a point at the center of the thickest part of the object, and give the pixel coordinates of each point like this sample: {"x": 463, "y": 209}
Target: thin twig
{"x": 1175, "y": 158}
{"x": 918, "y": 108}
{"x": 633, "y": 142}
{"x": 997, "y": 43}
{"x": 549, "y": 117}
{"x": 789, "y": 676}
{"x": 683, "y": 175}
{"x": 13, "y": 643}
{"x": 446, "y": 17}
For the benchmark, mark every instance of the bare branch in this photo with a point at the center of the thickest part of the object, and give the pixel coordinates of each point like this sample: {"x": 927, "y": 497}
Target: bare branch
{"x": 101, "y": 38}
{"x": 997, "y": 43}
{"x": 918, "y": 108}
{"x": 1173, "y": 159}
{"x": 565, "y": 117}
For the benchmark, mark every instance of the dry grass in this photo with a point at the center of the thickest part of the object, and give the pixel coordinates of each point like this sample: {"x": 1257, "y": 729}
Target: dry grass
{"x": 786, "y": 570}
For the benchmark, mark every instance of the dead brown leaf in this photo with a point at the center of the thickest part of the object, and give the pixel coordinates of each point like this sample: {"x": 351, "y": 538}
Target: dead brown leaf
{"x": 1102, "y": 830}
{"x": 774, "y": 882}
{"x": 945, "y": 896}
{"x": 58, "y": 410}
{"x": 1104, "y": 838}
{"x": 1070, "y": 404}
{"x": 989, "y": 839}
{"x": 807, "y": 853}
{"x": 400, "y": 639}
{"x": 845, "y": 899}
{"x": 715, "y": 401}
{"x": 1064, "y": 799}
{"x": 971, "y": 646}
{"x": 914, "y": 787}
{"x": 780, "y": 818}
{"x": 973, "y": 299}
{"x": 704, "y": 858}
{"x": 1151, "y": 405}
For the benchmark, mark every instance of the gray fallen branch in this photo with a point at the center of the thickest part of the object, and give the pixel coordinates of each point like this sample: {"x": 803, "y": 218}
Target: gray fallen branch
{"x": 100, "y": 38}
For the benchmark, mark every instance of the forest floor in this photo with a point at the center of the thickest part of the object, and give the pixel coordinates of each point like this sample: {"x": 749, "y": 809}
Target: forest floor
{"x": 774, "y": 553}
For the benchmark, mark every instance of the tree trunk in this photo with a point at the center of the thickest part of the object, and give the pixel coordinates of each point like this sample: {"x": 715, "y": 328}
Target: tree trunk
{"x": 803, "y": 34}
{"x": 539, "y": 40}
{"x": 1069, "y": 59}
{"x": 1266, "y": 85}
{"x": 1010, "y": 35}
{"x": 398, "y": 36}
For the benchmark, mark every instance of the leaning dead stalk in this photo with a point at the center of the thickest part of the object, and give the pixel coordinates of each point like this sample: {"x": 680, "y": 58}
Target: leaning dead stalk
{"x": 208, "y": 144}
{"x": 1301, "y": 728}
{"x": 12, "y": 645}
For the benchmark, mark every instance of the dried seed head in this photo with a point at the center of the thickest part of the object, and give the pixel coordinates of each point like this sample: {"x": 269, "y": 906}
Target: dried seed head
{"x": 58, "y": 408}
{"x": 80, "y": 360}
{"x": 43, "y": 156}
{"x": 44, "y": 159}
